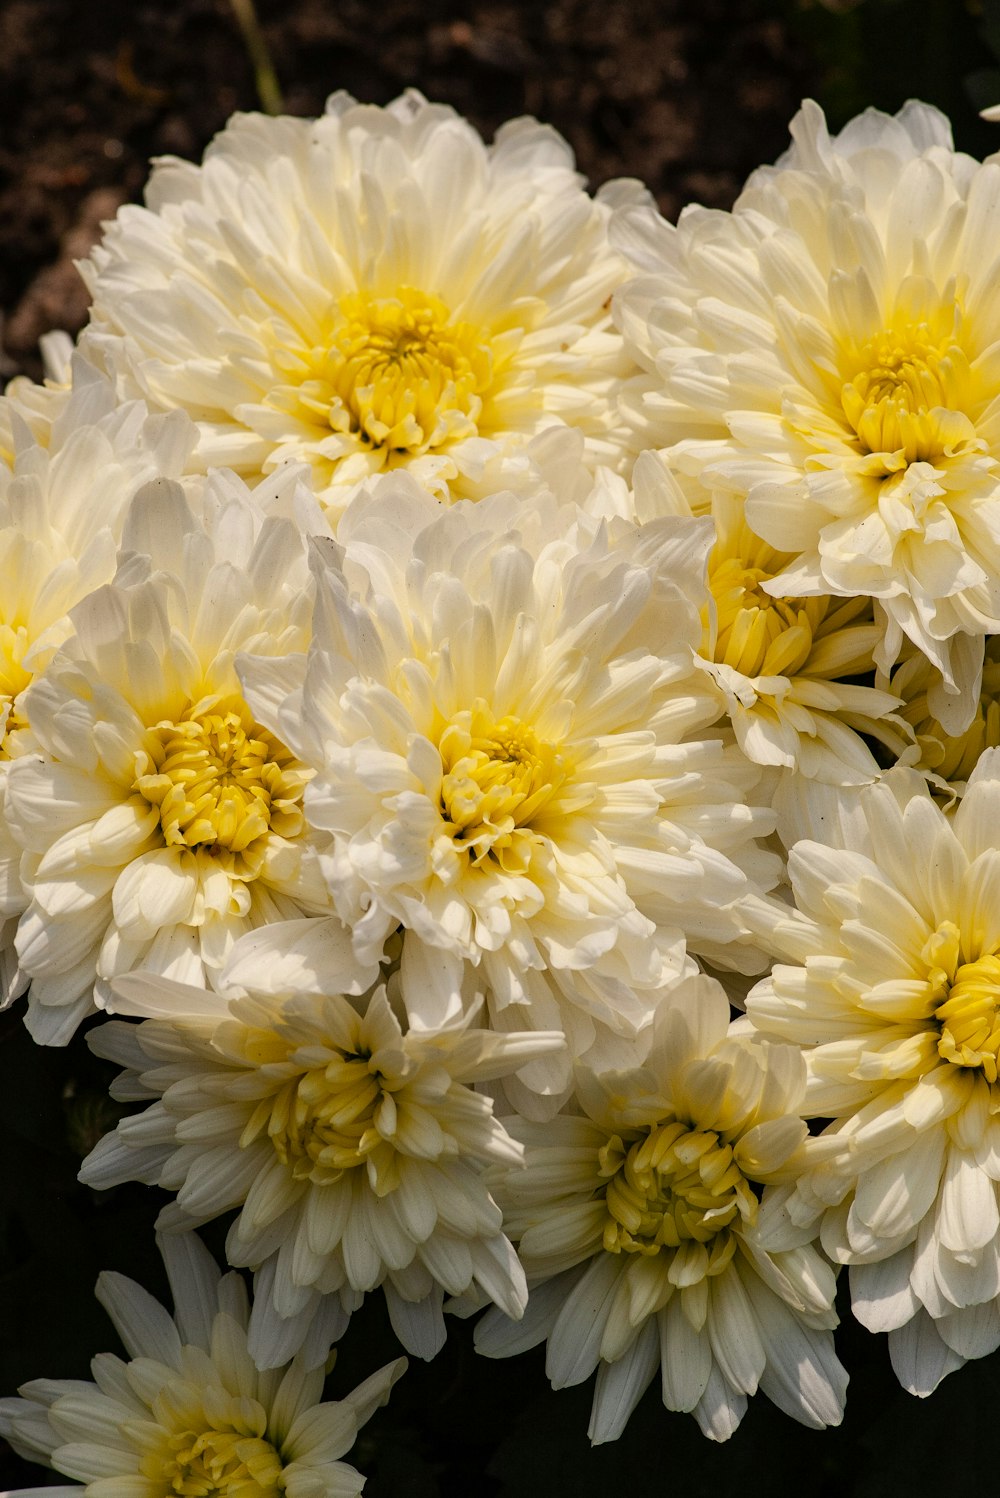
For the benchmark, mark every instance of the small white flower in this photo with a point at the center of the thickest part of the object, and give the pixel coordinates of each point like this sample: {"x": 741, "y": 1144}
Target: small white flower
{"x": 508, "y": 734}
{"x": 189, "y": 1411}
{"x": 827, "y": 352}
{"x": 369, "y": 290}
{"x": 646, "y": 1244}
{"x": 353, "y": 1148}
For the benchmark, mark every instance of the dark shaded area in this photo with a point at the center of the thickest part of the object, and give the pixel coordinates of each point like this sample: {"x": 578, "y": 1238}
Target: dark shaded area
{"x": 461, "y": 1425}
{"x": 688, "y": 95}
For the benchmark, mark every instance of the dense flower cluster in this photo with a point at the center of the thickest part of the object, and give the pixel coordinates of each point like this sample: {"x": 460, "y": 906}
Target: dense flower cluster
{"x": 458, "y": 638}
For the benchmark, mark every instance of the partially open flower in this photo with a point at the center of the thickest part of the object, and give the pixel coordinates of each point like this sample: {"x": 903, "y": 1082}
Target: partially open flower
{"x": 69, "y": 470}
{"x": 190, "y": 1412}
{"x": 786, "y": 666}
{"x": 949, "y": 758}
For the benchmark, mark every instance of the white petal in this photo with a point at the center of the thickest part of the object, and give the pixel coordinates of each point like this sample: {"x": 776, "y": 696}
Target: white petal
{"x": 620, "y": 1385}
{"x": 920, "y": 1357}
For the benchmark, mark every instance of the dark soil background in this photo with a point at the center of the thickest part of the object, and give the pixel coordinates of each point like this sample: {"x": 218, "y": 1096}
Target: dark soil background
{"x": 688, "y": 95}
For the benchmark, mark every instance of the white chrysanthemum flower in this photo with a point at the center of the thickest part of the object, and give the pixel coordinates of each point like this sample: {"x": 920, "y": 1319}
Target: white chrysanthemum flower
{"x": 646, "y": 1244}
{"x": 370, "y": 290}
{"x": 512, "y": 764}
{"x": 157, "y": 820}
{"x": 190, "y": 1412}
{"x": 895, "y": 1000}
{"x": 65, "y": 486}
{"x": 827, "y": 351}
{"x": 353, "y": 1148}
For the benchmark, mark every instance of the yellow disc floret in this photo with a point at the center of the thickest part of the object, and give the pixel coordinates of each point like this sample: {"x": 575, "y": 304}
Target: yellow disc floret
{"x": 225, "y": 1454}
{"x": 967, "y": 1001}
{"x": 324, "y": 1103}
{"x": 14, "y": 679}
{"x": 758, "y": 634}
{"x": 678, "y": 1188}
{"x": 909, "y": 392}
{"x": 220, "y": 782}
{"x": 323, "y": 1122}
{"x": 497, "y": 777}
{"x": 398, "y": 373}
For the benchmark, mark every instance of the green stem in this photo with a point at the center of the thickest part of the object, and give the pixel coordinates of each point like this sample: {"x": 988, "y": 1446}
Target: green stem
{"x": 265, "y": 78}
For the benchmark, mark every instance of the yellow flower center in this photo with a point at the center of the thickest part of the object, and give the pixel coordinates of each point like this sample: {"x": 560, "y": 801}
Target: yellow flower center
{"x": 908, "y": 392}
{"x": 13, "y": 677}
{"x": 220, "y": 782}
{"x": 13, "y": 645}
{"x": 967, "y": 1009}
{"x": 224, "y": 1462}
{"x": 498, "y": 775}
{"x": 954, "y": 757}
{"x": 398, "y": 374}
{"x": 758, "y": 634}
{"x": 674, "y": 1187}
{"x": 324, "y": 1121}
